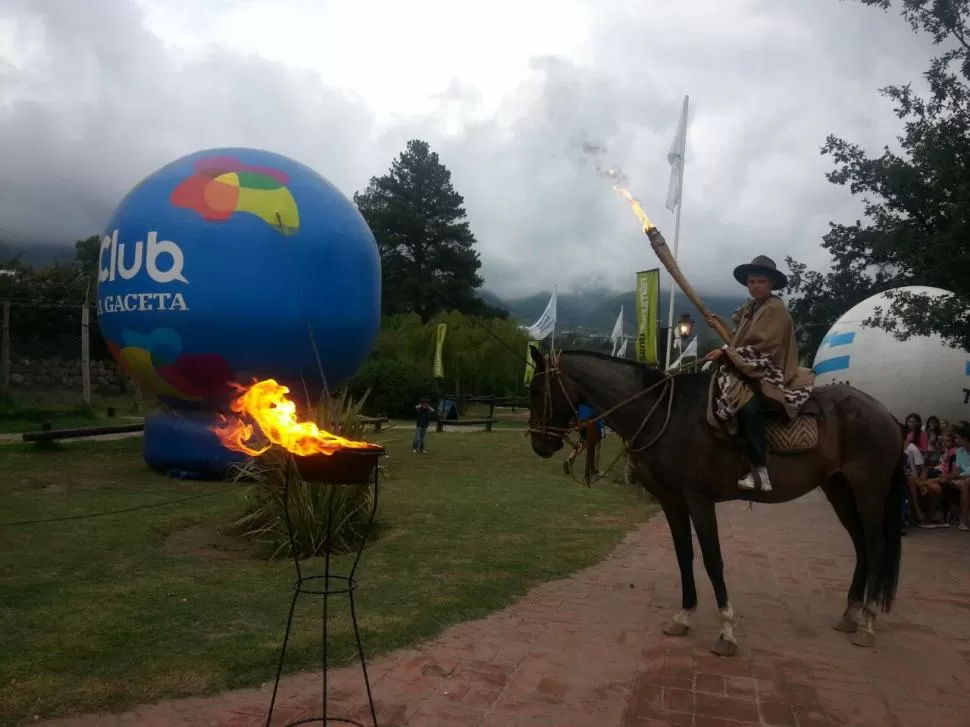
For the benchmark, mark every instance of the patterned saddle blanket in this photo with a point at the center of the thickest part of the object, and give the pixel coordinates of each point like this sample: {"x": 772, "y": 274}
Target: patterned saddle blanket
{"x": 798, "y": 435}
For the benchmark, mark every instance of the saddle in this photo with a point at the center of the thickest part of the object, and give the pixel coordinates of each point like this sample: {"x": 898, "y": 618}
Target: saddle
{"x": 798, "y": 435}
{"x": 787, "y": 437}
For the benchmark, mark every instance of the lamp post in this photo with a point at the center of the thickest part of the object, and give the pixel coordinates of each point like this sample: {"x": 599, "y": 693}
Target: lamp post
{"x": 683, "y": 329}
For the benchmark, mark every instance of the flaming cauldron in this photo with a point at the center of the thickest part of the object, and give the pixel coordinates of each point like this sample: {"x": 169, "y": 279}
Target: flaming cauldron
{"x": 321, "y": 458}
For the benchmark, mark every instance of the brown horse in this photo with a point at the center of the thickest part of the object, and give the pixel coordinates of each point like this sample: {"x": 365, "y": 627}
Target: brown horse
{"x": 688, "y": 467}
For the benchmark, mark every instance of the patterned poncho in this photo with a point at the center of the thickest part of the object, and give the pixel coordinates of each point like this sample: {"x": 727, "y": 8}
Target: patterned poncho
{"x": 762, "y": 354}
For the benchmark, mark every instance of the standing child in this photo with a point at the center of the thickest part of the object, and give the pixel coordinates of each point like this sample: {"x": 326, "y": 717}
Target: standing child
{"x": 917, "y": 483}
{"x": 422, "y": 418}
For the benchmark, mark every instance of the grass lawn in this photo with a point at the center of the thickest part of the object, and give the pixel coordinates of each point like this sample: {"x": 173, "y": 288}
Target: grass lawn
{"x": 106, "y": 613}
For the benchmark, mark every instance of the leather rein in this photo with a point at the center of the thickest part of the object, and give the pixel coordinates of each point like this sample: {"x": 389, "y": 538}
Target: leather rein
{"x": 553, "y": 371}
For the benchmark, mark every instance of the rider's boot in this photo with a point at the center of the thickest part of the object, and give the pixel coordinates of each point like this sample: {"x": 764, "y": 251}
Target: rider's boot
{"x": 751, "y": 480}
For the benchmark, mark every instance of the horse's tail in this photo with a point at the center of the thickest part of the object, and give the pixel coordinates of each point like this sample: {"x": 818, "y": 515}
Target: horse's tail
{"x": 884, "y": 588}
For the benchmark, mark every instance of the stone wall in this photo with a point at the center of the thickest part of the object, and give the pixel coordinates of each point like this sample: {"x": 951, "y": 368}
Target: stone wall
{"x": 65, "y": 374}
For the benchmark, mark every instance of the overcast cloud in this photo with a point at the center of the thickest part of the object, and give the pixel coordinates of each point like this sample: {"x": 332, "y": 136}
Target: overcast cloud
{"x": 96, "y": 95}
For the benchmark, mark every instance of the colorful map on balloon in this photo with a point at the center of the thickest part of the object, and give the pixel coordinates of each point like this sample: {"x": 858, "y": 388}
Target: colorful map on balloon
{"x": 224, "y": 186}
{"x": 156, "y": 361}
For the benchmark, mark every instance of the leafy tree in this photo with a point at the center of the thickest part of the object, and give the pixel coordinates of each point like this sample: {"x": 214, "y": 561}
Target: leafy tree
{"x": 917, "y": 201}
{"x": 395, "y": 386}
{"x": 482, "y": 356}
{"x": 86, "y": 260}
{"x": 44, "y": 298}
{"x": 429, "y": 263}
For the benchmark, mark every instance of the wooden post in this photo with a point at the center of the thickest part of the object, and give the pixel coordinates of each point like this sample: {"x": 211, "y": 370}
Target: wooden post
{"x": 5, "y": 350}
{"x": 491, "y": 408}
{"x": 139, "y": 399}
{"x": 86, "y": 353}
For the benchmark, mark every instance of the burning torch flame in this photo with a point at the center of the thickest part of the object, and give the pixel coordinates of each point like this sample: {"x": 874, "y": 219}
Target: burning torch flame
{"x": 266, "y": 404}
{"x": 634, "y": 202}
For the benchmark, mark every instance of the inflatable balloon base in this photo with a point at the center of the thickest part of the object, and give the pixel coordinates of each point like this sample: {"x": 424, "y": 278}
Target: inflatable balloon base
{"x": 183, "y": 445}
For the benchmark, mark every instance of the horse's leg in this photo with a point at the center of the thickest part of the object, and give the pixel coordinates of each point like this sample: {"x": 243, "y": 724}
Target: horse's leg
{"x": 678, "y": 518}
{"x": 840, "y": 496}
{"x": 703, "y": 514}
{"x": 880, "y": 512}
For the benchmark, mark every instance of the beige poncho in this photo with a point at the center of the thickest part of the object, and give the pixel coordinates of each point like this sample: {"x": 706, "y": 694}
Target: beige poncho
{"x": 763, "y": 354}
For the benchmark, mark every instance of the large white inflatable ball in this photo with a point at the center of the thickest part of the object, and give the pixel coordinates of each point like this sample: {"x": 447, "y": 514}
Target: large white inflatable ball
{"x": 921, "y": 375}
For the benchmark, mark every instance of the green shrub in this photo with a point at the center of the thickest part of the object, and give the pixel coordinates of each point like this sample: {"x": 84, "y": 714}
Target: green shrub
{"x": 309, "y": 504}
{"x": 395, "y": 386}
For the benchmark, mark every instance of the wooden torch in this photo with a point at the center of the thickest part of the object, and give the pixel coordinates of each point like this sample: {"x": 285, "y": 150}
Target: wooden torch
{"x": 659, "y": 245}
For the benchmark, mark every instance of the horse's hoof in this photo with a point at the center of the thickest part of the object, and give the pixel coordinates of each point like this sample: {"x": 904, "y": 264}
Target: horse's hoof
{"x": 846, "y": 625}
{"x": 723, "y": 647}
{"x": 676, "y": 629}
{"x": 865, "y": 639}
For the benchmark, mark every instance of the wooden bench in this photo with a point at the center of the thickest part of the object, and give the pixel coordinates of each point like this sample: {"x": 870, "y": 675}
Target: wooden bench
{"x": 378, "y": 422}
{"x": 487, "y": 423}
{"x": 50, "y": 435}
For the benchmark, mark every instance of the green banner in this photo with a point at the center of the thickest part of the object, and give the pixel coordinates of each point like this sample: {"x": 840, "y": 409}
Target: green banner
{"x": 530, "y": 367}
{"x": 439, "y": 366}
{"x": 648, "y": 302}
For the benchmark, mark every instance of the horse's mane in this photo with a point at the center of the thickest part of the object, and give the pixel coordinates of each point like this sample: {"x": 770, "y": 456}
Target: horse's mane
{"x": 647, "y": 373}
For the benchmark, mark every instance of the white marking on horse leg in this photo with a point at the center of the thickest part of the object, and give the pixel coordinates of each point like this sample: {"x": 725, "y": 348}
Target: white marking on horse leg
{"x": 680, "y": 624}
{"x": 849, "y": 623}
{"x": 727, "y": 624}
{"x": 866, "y": 635}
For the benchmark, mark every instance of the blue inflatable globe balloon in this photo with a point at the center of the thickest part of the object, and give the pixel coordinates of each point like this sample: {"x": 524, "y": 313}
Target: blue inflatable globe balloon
{"x": 230, "y": 265}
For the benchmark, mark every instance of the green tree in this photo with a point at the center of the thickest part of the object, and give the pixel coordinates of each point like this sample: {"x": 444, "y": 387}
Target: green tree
{"x": 429, "y": 262}
{"x": 482, "y": 356}
{"x": 48, "y": 298}
{"x": 917, "y": 201}
{"x": 87, "y": 255}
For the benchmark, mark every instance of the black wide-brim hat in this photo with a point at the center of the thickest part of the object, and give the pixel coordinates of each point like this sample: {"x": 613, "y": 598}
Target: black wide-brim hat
{"x": 761, "y": 265}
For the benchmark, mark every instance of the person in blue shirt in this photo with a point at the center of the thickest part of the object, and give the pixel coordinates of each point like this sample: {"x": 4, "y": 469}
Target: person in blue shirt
{"x": 591, "y": 433}
{"x": 422, "y": 418}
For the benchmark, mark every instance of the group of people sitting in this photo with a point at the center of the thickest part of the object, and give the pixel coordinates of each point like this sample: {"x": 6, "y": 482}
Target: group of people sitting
{"x": 937, "y": 472}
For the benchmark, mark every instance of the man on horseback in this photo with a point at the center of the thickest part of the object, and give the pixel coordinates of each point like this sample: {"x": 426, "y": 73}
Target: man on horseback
{"x": 758, "y": 371}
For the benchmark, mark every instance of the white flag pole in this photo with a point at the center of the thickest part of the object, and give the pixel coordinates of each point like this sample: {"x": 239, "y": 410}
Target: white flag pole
{"x": 675, "y": 194}
{"x": 555, "y": 315}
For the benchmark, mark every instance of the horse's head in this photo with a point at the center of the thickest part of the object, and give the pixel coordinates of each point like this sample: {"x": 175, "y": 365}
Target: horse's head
{"x": 553, "y": 401}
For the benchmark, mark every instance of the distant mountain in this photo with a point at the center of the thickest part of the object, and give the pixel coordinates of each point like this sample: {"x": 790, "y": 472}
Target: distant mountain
{"x": 37, "y": 255}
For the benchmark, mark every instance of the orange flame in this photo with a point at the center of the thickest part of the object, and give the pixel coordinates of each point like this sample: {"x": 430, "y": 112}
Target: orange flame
{"x": 637, "y": 207}
{"x": 266, "y": 404}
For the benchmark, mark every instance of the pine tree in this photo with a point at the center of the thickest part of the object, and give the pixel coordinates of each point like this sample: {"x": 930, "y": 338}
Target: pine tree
{"x": 428, "y": 259}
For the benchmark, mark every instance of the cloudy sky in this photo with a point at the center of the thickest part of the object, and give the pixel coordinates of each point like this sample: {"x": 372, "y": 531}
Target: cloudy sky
{"x": 96, "y": 94}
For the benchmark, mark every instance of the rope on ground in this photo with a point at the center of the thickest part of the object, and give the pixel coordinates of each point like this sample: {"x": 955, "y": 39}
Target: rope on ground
{"x": 135, "y": 508}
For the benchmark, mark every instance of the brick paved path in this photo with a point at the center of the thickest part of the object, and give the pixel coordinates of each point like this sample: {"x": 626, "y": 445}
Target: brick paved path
{"x": 589, "y": 650}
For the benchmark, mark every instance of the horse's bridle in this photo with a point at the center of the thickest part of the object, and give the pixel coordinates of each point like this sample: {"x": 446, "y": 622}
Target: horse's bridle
{"x": 544, "y": 428}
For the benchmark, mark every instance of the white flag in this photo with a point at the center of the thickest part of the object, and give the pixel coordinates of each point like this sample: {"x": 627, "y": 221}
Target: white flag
{"x": 617, "y": 333}
{"x": 622, "y": 352}
{"x": 678, "y": 150}
{"x": 690, "y": 350}
{"x": 547, "y": 321}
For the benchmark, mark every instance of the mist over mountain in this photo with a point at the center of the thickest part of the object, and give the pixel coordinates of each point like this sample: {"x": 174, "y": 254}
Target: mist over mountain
{"x": 37, "y": 255}
{"x": 594, "y": 310}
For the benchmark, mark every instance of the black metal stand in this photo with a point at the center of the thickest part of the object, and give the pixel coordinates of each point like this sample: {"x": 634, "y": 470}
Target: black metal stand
{"x": 326, "y": 585}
